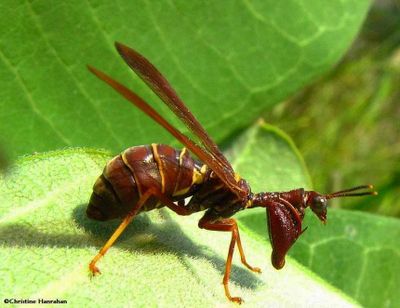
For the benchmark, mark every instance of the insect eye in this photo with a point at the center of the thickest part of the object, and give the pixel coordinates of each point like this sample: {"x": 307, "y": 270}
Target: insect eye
{"x": 320, "y": 201}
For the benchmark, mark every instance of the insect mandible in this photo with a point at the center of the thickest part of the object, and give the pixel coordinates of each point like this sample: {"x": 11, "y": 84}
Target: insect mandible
{"x": 147, "y": 177}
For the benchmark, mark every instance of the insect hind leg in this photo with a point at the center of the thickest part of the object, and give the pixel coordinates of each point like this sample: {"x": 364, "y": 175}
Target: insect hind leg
{"x": 227, "y": 224}
{"x": 125, "y": 222}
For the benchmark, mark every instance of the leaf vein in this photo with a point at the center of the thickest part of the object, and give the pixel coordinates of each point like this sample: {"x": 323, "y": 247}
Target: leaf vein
{"x": 30, "y": 99}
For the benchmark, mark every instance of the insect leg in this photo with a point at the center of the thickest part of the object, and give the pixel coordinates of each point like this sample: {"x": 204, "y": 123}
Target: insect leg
{"x": 243, "y": 257}
{"x": 227, "y": 224}
{"x": 177, "y": 208}
{"x": 92, "y": 266}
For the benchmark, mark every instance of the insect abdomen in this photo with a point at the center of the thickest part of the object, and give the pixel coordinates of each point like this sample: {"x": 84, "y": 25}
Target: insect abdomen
{"x": 128, "y": 175}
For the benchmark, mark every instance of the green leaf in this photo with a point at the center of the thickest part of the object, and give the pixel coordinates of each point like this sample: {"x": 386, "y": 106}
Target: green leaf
{"x": 356, "y": 252}
{"x": 365, "y": 247}
{"x": 268, "y": 159}
{"x": 227, "y": 59}
{"x": 161, "y": 259}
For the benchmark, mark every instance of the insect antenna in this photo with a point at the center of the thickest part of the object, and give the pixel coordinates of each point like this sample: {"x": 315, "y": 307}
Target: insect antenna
{"x": 350, "y": 192}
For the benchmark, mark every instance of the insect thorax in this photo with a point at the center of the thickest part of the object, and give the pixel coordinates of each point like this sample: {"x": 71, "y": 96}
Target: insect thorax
{"x": 213, "y": 194}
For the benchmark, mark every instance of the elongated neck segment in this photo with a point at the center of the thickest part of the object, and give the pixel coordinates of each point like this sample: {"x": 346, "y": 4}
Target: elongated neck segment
{"x": 296, "y": 198}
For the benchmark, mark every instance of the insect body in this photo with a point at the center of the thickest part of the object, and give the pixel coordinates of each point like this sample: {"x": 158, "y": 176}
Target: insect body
{"x": 172, "y": 172}
{"x": 144, "y": 178}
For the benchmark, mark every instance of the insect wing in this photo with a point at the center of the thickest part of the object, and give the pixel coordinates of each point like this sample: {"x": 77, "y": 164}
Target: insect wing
{"x": 160, "y": 86}
{"x": 146, "y": 108}
{"x": 284, "y": 229}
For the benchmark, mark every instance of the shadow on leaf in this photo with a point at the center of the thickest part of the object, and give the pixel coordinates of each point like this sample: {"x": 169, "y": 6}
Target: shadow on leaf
{"x": 143, "y": 235}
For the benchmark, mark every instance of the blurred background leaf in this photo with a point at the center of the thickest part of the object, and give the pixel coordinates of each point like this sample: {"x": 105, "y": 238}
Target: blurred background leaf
{"x": 347, "y": 125}
{"x": 228, "y": 61}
